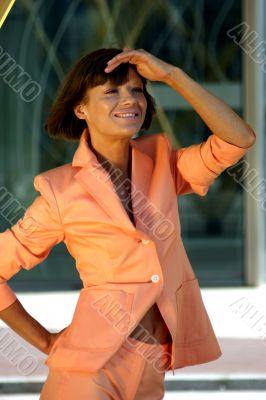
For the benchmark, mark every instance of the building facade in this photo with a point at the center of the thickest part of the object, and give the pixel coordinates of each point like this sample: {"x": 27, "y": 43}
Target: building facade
{"x": 220, "y": 44}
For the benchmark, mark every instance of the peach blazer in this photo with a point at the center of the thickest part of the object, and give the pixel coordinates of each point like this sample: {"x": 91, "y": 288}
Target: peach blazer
{"x": 125, "y": 268}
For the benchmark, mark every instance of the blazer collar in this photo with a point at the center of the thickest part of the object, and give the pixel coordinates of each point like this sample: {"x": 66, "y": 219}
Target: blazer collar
{"x": 84, "y": 155}
{"x": 93, "y": 177}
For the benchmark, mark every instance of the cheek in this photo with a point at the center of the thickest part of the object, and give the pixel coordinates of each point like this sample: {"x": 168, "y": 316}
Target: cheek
{"x": 100, "y": 111}
{"x": 144, "y": 106}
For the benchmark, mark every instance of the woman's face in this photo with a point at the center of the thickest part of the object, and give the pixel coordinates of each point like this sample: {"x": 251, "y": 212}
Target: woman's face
{"x": 117, "y": 111}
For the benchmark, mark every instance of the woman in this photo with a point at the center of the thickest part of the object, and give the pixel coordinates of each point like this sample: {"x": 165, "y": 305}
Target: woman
{"x": 140, "y": 312}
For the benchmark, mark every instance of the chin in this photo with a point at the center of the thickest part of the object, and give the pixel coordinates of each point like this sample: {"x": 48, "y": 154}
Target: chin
{"x": 127, "y": 132}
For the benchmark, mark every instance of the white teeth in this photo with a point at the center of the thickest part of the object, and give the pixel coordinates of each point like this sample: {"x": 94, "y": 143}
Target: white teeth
{"x": 128, "y": 115}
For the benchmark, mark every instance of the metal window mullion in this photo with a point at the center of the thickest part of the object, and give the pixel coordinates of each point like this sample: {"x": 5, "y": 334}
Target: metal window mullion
{"x": 254, "y": 113}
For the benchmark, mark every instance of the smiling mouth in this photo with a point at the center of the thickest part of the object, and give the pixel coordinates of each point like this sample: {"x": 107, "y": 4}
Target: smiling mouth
{"x": 126, "y": 115}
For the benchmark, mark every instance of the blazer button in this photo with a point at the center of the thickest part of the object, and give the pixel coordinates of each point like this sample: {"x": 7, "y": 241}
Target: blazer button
{"x": 145, "y": 241}
{"x": 155, "y": 278}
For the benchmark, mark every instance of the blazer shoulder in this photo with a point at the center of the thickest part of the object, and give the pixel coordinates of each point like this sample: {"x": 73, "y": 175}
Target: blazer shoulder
{"x": 56, "y": 178}
{"x": 153, "y": 144}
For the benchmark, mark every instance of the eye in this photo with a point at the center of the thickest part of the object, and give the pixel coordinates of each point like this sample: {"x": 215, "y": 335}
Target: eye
{"x": 138, "y": 89}
{"x": 111, "y": 91}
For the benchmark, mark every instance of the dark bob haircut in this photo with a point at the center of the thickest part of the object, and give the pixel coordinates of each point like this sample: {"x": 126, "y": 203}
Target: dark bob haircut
{"x": 87, "y": 73}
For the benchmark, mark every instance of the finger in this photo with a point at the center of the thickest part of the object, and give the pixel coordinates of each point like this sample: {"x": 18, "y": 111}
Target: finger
{"x": 110, "y": 68}
{"x": 130, "y": 56}
{"x": 115, "y": 64}
{"x": 127, "y": 55}
{"x": 112, "y": 64}
{"x": 116, "y": 59}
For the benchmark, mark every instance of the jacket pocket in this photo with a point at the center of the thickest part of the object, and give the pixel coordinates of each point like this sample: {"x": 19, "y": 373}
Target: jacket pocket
{"x": 101, "y": 319}
{"x": 192, "y": 320}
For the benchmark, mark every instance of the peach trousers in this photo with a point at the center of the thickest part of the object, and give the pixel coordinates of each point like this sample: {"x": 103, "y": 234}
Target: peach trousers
{"x": 135, "y": 372}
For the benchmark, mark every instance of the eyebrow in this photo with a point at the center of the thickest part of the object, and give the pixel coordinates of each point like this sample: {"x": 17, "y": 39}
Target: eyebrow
{"x": 137, "y": 83}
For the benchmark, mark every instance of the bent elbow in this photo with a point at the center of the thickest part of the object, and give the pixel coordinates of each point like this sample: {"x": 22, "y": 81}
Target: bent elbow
{"x": 251, "y": 137}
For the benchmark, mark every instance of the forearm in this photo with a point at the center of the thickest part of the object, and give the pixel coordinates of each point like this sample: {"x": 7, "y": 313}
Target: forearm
{"x": 17, "y": 318}
{"x": 219, "y": 118}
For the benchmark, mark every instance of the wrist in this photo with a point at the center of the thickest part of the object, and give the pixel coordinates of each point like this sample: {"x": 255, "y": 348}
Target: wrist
{"x": 173, "y": 75}
{"x": 46, "y": 343}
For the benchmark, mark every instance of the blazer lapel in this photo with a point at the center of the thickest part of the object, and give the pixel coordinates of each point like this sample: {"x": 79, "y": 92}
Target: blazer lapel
{"x": 141, "y": 175}
{"x": 95, "y": 180}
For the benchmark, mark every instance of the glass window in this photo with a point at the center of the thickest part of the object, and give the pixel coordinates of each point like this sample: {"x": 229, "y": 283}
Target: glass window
{"x": 42, "y": 39}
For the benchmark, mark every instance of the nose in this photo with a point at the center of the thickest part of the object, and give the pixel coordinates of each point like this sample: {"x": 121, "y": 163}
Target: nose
{"x": 128, "y": 98}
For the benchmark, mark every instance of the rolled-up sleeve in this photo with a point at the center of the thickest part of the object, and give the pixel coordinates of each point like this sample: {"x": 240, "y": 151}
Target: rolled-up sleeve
{"x": 197, "y": 166}
{"x": 31, "y": 239}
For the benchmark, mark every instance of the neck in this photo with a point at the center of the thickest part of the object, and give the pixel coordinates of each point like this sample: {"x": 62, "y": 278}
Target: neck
{"x": 115, "y": 151}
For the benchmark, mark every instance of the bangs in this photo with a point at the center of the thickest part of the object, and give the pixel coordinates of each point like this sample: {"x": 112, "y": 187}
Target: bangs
{"x": 117, "y": 77}
{"x": 96, "y": 76}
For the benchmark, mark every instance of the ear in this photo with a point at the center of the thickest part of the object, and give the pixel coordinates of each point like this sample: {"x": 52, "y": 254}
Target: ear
{"x": 79, "y": 111}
